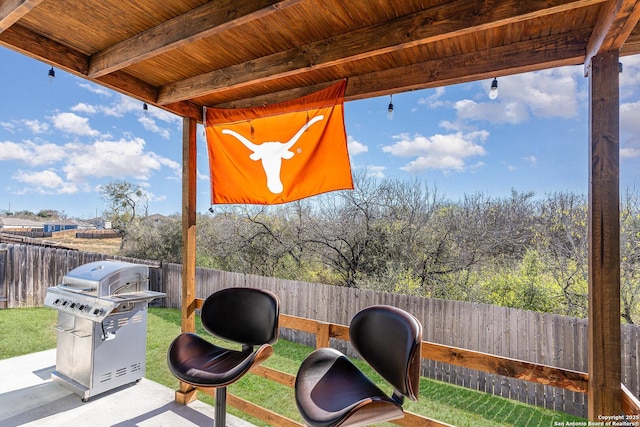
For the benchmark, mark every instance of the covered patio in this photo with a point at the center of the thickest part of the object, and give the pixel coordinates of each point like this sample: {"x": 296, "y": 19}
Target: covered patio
{"x": 184, "y": 55}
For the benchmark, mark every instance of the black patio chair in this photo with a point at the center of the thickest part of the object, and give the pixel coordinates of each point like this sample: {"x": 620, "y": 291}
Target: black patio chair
{"x": 245, "y": 316}
{"x": 331, "y": 391}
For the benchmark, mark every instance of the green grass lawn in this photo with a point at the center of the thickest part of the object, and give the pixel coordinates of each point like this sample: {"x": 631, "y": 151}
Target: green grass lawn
{"x": 24, "y": 331}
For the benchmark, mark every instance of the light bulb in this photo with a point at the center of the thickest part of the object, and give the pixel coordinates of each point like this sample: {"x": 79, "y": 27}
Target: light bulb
{"x": 390, "y": 108}
{"x": 493, "y": 92}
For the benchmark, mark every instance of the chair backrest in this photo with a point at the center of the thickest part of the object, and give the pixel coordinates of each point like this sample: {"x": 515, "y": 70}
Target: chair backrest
{"x": 243, "y": 315}
{"x": 390, "y": 340}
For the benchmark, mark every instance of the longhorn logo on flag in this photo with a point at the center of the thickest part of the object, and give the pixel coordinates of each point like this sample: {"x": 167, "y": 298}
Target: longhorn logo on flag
{"x": 280, "y": 152}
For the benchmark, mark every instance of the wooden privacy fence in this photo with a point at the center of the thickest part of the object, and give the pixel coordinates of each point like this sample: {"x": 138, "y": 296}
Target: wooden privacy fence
{"x": 456, "y": 333}
{"x": 27, "y": 271}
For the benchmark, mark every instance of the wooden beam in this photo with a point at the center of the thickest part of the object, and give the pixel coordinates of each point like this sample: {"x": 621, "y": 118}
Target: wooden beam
{"x": 11, "y": 11}
{"x": 508, "y": 367}
{"x": 453, "y": 19}
{"x": 272, "y": 418}
{"x": 605, "y": 364}
{"x": 552, "y": 51}
{"x": 204, "y": 21}
{"x": 189, "y": 177}
{"x": 40, "y": 48}
{"x": 413, "y": 420}
{"x": 615, "y": 23}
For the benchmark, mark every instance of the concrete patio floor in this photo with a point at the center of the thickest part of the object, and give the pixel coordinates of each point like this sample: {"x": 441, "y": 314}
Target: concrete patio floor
{"x": 28, "y": 397}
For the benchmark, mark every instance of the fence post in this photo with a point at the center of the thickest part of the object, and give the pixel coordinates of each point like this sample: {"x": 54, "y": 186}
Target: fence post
{"x": 4, "y": 300}
{"x": 322, "y": 335}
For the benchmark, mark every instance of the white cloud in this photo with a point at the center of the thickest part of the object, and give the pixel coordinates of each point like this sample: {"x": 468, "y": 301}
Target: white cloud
{"x": 630, "y": 77}
{"x": 73, "y": 124}
{"x": 509, "y": 112}
{"x": 356, "y": 147}
{"x": 376, "y": 171}
{"x": 84, "y": 108}
{"x": 164, "y": 115}
{"x": 201, "y": 176}
{"x": 543, "y": 94}
{"x": 548, "y": 93}
{"x": 31, "y": 153}
{"x": 99, "y": 90}
{"x": 36, "y": 126}
{"x": 445, "y": 152}
{"x": 630, "y": 153}
{"x": 8, "y": 126}
{"x": 44, "y": 182}
{"x": 630, "y": 125}
{"x": 123, "y": 158}
{"x": 433, "y": 101}
{"x": 124, "y": 105}
{"x": 151, "y": 125}
{"x": 121, "y": 106}
{"x": 532, "y": 160}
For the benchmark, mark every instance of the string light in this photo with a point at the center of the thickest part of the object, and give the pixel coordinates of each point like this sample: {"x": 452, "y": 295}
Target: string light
{"x": 390, "y": 108}
{"x": 52, "y": 73}
{"x": 493, "y": 92}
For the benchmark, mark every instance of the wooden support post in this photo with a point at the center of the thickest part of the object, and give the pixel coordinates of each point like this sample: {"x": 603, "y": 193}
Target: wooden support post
{"x": 605, "y": 365}
{"x": 322, "y": 335}
{"x": 187, "y": 393}
{"x": 188, "y": 224}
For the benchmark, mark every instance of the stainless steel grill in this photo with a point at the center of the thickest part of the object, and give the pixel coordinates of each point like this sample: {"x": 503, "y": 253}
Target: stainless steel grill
{"x": 102, "y": 326}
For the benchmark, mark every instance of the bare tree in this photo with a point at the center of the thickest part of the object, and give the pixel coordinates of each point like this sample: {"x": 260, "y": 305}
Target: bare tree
{"x": 562, "y": 241}
{"x": 630, "y": 256}
{"x": 124, "y": 201}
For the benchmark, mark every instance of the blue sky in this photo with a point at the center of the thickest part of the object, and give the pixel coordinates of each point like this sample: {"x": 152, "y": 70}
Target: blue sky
{"x": 62, "y": 138}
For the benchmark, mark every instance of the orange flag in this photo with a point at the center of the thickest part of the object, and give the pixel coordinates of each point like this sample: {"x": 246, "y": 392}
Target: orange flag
{"x": 280, "y": 152}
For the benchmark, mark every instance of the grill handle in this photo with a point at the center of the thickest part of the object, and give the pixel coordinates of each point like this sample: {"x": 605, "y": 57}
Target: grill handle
{"x": 75, "y": 289}
{"x": 76, "y": 333}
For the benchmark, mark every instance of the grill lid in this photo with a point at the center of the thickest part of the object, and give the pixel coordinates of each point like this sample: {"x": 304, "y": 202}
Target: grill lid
{"x": 97, "y": 289}
{"x": 104, "y": 278}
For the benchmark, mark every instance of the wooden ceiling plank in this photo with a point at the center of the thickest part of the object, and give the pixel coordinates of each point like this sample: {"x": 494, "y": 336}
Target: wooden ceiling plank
{"x": 204, "y": 21}
{"x": 533, "y": 55}
{"x": 438, "y": 23}
{"x": 11, "y": 11}
{"x": 523, "y": 57}
{"x": 616, "y": 22}
{"x": 632, "y": 45}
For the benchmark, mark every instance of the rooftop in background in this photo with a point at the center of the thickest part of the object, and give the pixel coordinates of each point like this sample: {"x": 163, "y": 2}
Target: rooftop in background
{"x": 19, "y": 223}
{"x": 192, "y": 53}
